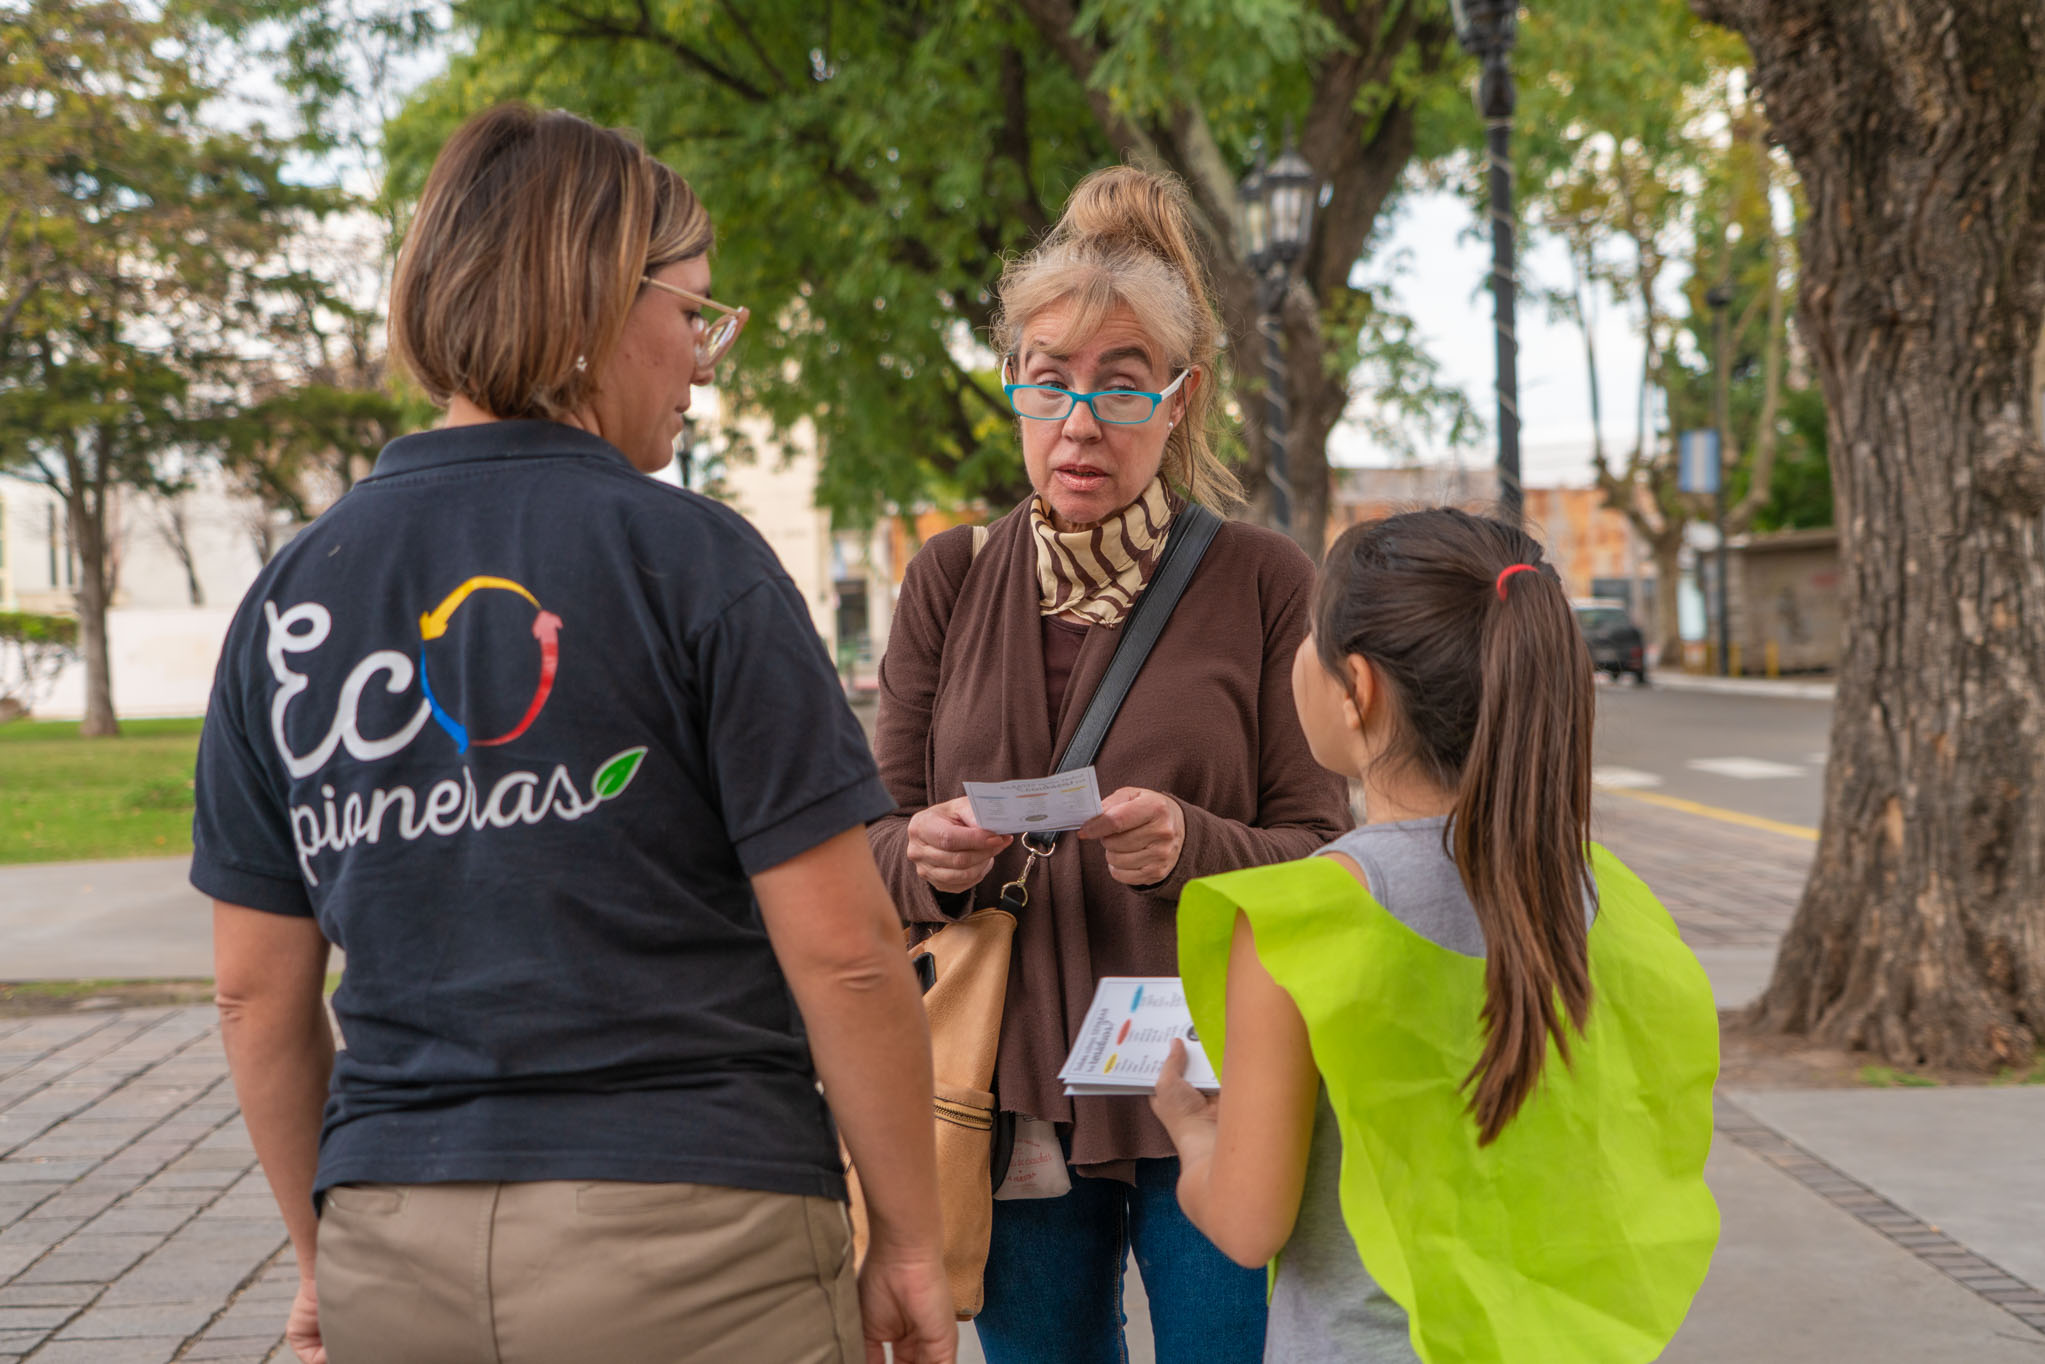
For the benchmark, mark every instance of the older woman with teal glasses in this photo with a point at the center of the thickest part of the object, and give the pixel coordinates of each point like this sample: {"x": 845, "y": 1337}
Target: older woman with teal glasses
{"x": 1109, "y": 342}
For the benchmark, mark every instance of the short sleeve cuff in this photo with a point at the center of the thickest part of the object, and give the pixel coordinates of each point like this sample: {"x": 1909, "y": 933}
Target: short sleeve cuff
{"x": 849, "y": 807}
{"x": 239, "y": 886}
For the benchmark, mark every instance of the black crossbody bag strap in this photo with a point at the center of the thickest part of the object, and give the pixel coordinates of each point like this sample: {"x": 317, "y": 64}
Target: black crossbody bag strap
{"x": 1193, "y": 530}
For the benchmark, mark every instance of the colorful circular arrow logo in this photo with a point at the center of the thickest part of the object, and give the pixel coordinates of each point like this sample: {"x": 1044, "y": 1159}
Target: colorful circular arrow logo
{"x": 546, "y": 629}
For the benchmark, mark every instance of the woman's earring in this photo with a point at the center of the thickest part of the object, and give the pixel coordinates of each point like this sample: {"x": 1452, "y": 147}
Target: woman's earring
{"x": 581, "y": 363}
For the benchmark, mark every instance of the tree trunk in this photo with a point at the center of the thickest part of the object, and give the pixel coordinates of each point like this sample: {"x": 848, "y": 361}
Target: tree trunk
{"x": 177, "y": 533}
{"x": 1667, "y": 549}
{"x": 88, "y": 533}
{"x": 1916, "y": 128}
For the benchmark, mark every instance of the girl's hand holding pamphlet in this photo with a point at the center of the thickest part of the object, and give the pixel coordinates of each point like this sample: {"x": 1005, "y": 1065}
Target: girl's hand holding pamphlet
{"x": 1130, "y": 1031}
{"x": 1185, "y": 1112}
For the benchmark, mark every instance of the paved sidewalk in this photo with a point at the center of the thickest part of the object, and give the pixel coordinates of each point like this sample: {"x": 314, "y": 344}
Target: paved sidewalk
{"x": 1816, "y": 689}
{"x": 128, "y": 920}
{"x": 1731, "y": 890}
{"x": 1878, "y": 1226}
{"x": 135, "y": 1227}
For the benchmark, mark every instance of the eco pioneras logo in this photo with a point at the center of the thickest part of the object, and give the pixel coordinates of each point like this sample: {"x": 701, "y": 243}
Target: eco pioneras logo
{"x": 546, "y": 629}
{"x": 336, "y": 822}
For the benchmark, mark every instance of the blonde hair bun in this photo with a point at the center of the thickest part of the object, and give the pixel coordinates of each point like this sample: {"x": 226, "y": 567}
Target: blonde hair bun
{"x": 1129, "y": 206}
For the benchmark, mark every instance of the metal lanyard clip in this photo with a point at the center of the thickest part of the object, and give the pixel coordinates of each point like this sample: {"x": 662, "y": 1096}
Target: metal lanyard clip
{"x": 1015, "y": 896}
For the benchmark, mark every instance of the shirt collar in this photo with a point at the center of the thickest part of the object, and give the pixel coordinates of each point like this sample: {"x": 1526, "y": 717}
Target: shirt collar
{"x": 444, "y": 446}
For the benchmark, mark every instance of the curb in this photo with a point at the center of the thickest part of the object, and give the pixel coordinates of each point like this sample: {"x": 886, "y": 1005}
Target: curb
{"x": 1739, "y": 686}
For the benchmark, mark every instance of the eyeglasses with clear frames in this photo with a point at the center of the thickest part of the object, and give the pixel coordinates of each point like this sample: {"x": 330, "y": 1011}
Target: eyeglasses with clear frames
{"x": 713, "y": 339}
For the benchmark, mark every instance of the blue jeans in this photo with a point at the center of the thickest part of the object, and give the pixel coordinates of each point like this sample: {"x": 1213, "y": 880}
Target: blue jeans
{"x": 1054, "y": 1278}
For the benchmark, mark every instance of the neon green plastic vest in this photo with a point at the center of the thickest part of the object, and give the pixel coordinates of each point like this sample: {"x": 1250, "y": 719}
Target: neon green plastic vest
{"x": 1582, "y": 1233}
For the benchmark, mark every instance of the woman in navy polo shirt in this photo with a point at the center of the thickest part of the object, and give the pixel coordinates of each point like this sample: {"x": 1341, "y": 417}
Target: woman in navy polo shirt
{"x": 553, "y": 753}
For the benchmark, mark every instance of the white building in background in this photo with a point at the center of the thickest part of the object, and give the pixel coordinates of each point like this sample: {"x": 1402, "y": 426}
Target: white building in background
{"x": 164, "y": 644}
{"x": 845, "y": 576}
{"x": 180, "y": 568}
{"x": 216, "y": 527}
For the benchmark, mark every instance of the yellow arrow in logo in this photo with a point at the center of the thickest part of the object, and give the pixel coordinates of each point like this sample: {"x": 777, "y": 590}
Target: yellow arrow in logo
{"x": 433, "y": 624}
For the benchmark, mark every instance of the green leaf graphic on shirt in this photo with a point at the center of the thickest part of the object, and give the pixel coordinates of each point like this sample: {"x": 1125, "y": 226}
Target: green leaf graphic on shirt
{"x": 616, "y": 774}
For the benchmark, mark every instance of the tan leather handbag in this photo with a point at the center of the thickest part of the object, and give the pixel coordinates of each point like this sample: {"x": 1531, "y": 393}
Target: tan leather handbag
{"x": 965, "y": 1003}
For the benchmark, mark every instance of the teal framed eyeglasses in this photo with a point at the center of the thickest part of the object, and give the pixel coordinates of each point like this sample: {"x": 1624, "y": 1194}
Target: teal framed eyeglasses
{"x": 1115, "y": 406}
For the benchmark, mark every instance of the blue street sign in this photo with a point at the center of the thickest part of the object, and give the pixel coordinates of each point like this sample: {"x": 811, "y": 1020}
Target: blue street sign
{"x": 1697, "y": 464}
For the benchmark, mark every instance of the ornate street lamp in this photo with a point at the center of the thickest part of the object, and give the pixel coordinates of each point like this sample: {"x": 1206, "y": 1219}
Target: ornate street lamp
{"x": 1278, "y": 203}
{"x": 1486, "y": 29}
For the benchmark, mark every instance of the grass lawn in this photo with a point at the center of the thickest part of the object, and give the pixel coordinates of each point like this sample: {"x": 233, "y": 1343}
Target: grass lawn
{"x": 63, "y": 798}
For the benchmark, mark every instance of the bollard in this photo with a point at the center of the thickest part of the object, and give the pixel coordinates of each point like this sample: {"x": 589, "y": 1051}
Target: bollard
{"x": 1773, "y": 660}
{"x": 1733, "y": 655}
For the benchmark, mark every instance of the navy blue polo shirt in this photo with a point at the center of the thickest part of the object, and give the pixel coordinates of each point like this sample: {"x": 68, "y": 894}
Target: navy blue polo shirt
{"x": 516, "y": 724}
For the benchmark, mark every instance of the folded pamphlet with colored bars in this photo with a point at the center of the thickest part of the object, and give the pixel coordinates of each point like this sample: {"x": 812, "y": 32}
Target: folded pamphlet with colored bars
{"x": 1127, "y": 1035}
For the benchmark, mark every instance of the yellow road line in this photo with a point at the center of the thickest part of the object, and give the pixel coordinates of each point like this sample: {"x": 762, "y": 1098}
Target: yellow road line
{"x": 1691, "y": 807}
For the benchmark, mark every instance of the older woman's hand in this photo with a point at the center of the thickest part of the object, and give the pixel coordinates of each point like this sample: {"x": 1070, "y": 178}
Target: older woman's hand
{"x": 1142, "y": 832}
{"x": 948, "y": 849}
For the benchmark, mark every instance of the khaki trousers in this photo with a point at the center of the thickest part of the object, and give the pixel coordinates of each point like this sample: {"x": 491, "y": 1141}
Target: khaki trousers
{"x": 561, "y": 1272}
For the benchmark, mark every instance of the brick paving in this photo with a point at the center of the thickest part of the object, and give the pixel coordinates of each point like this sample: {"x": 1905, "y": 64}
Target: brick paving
{"x": 135, "y": 1227}
{"x": 1725, "y": 885}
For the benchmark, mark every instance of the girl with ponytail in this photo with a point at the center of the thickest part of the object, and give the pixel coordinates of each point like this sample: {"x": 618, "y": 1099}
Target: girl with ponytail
{"x": 1108, "y": 338}
{"x": 1466, "y": 1062}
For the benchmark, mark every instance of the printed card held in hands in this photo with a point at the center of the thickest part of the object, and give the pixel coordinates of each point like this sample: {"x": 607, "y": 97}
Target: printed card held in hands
{"x": 1036, "y": 805}
{"x": 1128, "y": 1033}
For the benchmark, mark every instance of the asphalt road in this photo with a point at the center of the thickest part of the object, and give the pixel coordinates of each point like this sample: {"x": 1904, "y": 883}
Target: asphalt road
{"x": 1759, "y": 755}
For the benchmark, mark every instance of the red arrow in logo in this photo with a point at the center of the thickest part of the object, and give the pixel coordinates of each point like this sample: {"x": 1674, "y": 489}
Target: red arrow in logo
{"x": 547, "y": 630}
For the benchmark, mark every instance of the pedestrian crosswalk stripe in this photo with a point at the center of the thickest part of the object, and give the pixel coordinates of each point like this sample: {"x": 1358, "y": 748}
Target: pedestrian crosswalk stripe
{"x": 1623, "y": 778}
{"x": 1745, "y": 769}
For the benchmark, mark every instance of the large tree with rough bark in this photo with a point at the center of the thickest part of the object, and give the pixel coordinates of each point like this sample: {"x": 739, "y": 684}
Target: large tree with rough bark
{"x": 1918, "y": 130}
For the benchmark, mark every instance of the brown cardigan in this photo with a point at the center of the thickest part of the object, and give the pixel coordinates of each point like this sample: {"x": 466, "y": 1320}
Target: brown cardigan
{"x": 1209, "y": 721}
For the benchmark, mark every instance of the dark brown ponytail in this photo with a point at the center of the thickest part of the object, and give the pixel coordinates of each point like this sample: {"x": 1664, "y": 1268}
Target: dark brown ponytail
{"x": 1491, "y": 683}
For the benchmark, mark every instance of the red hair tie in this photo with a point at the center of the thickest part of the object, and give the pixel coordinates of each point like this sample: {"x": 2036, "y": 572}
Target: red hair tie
{"x": 1507, "y": 572}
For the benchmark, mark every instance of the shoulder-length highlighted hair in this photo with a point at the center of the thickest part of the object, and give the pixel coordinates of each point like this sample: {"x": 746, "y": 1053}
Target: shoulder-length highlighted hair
{"x": 526, "y": 253}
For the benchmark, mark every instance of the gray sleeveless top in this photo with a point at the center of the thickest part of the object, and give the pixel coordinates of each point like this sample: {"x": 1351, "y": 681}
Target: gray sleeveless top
{"x": 1325, "y": 1305}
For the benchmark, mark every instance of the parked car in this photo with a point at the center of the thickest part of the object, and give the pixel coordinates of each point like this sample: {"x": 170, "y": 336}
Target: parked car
{"x": 1616, "y": 643}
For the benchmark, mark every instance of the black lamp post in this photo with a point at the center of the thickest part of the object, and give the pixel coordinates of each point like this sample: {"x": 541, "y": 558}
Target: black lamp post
{"x": 1486, "y": 29}
{"x": 1278, "y": 217}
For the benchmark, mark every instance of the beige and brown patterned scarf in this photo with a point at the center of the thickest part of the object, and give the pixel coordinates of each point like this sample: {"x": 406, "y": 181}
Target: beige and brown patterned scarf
{"x": 1096, "y": 573}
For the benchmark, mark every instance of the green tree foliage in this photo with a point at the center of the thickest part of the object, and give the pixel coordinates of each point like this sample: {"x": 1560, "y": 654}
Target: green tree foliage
{"x": 871, "y": 166}
{"x": 1800, "y": 494}
{"x": 142, "y": 267}
{"x": 869, "y": 169}
{"x": 327, "y": 400}
{"x": 1777, "y": 477}
{"x": 321, "y": 402}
